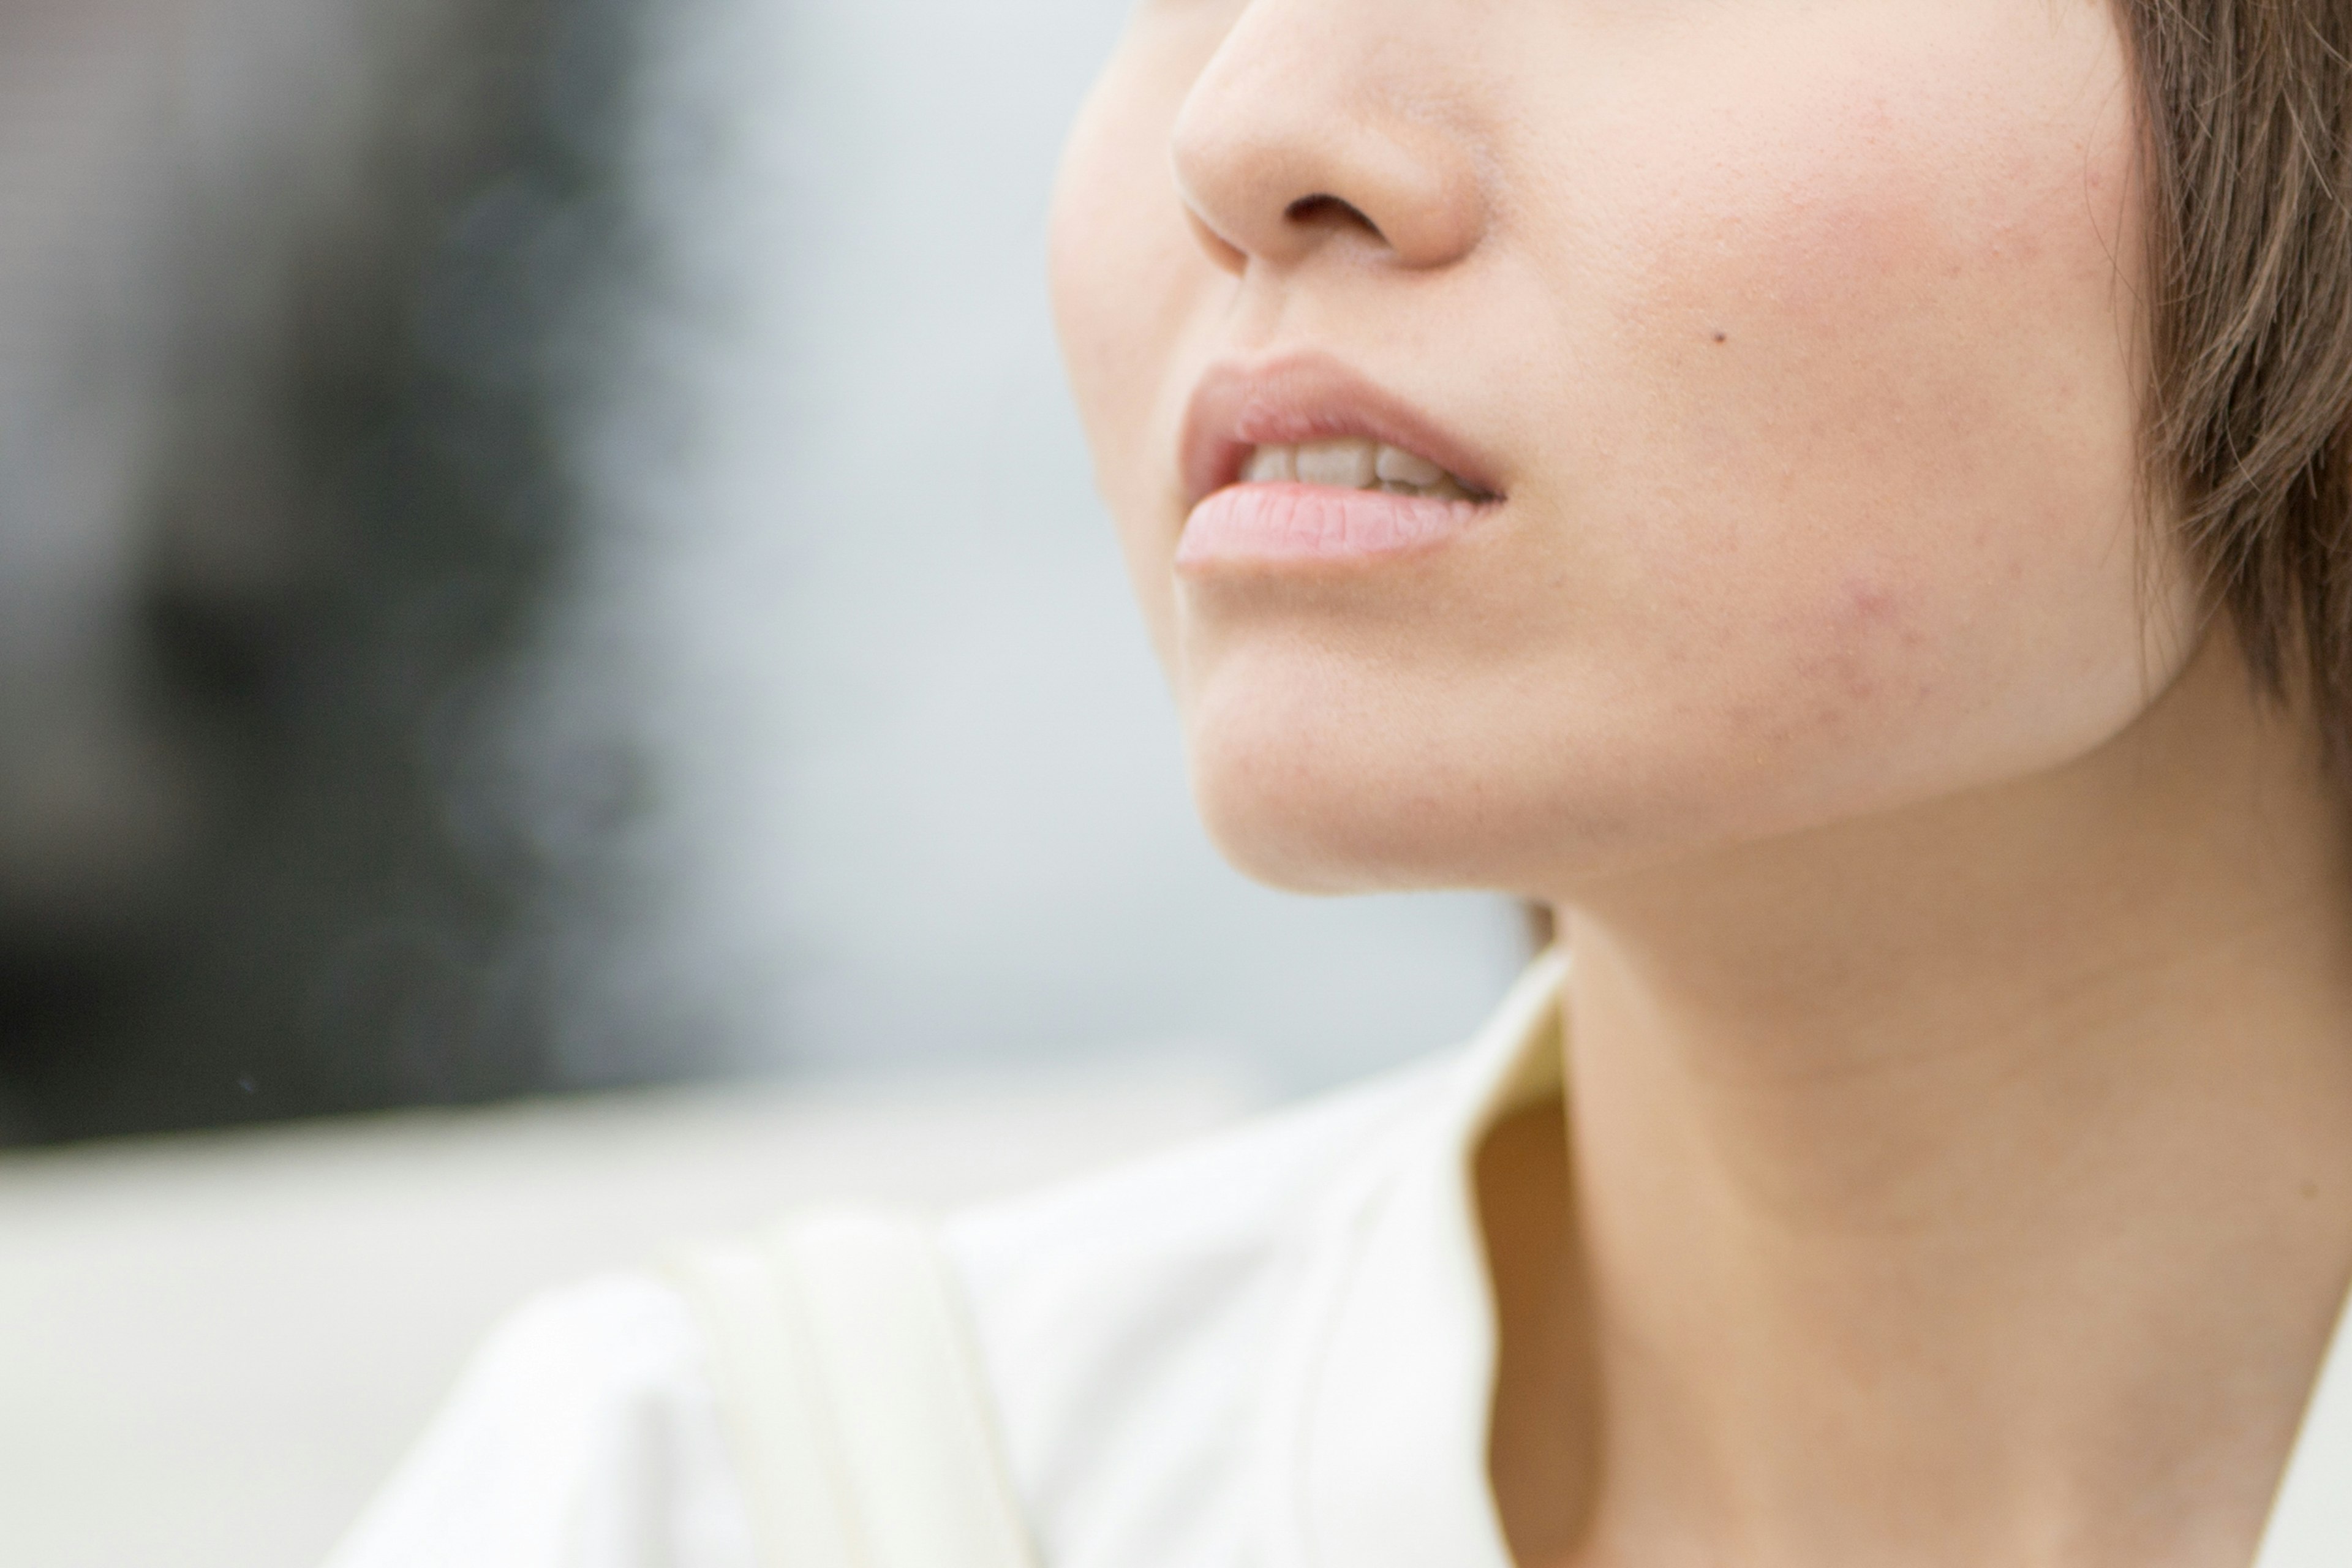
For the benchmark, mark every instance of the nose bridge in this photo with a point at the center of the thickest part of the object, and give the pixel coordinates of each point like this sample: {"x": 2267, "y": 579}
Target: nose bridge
{"x": 1340, "y": 101}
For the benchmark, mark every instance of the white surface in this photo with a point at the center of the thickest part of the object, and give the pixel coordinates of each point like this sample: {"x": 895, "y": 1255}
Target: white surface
{"x": 218, "y": 1346}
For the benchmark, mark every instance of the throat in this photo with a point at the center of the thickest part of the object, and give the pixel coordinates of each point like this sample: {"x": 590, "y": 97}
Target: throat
{"x": 1971, "y": 1313}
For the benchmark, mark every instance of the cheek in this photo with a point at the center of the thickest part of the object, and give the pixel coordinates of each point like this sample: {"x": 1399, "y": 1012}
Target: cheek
{"x": 1821, "y": 363}
{"x": 1125, "y": 278}
{"x": 1120, "y": 268}
{"x": 1873, "y": 501}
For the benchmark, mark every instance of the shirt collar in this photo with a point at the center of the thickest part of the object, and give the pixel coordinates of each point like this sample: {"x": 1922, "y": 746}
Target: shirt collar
{"x": 1378, "y": 1424}
{"x": 2311, "y": 1523}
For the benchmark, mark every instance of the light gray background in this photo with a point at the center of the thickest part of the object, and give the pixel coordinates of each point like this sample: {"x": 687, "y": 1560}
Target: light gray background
{"x": 913, "y": 790}
{"x": 903, "y": 792}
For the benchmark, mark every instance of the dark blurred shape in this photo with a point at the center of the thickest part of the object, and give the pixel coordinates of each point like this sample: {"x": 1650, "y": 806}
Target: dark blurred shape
{"x": 290, "y": 294}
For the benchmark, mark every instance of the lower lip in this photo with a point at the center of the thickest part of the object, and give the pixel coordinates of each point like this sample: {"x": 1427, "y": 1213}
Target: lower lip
{"x": 1276, "y": 525}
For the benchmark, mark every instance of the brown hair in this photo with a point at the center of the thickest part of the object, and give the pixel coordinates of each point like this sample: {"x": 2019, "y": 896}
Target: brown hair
{"x": 2248, "y": 110}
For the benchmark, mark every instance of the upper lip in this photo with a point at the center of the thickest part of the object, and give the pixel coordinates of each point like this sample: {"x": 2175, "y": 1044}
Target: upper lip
{"x": 1306, "y": 397}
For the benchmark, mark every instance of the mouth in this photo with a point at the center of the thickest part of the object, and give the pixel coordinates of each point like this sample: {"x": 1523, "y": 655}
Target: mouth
{"x": 1300, "y": 465}
{"x": 1307, "y": 419}
{"x": 1356, "y": 463}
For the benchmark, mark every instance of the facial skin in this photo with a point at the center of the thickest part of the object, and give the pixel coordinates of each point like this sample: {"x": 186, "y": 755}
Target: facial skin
{"x": 1802, "y": 338}
{"x": 1957, "y": 937}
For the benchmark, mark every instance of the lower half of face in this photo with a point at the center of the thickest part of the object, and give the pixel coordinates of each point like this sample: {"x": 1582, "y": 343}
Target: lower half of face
{"x": 1802, "y": 337}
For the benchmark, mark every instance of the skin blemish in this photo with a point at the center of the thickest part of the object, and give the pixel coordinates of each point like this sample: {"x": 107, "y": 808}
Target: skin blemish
{"x": 1722, "y": 337}
{"x": 1869, "y": 601}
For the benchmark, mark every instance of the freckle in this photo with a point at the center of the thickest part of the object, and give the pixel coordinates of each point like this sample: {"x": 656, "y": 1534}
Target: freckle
{"x": 1723, "y": 337}
{"x": 2311, "y": 1189}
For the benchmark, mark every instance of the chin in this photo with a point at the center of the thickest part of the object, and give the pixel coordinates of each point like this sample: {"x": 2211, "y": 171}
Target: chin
{"x": 1309, "y": 793}
{"x": 1288, "y": 827}
{"x": 1308, "y": 784}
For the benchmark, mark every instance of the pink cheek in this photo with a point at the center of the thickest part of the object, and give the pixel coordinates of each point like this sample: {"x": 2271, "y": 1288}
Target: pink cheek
{"x": 1855, "y": 314}
{"x": 1838, "y": 249}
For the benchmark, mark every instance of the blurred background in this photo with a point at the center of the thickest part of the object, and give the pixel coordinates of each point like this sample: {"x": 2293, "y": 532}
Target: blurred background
{"x": 545, "y": 565}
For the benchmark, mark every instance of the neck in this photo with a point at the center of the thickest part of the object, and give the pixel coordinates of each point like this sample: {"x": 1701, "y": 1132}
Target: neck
{"x": 1973, "y": 1184}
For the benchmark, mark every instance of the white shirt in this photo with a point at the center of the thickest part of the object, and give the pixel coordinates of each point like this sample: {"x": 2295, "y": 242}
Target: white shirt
{"x": 1272, "y": 1349}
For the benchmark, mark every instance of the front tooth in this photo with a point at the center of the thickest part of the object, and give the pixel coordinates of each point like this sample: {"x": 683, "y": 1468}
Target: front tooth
{"x": 1400, "y": 466}
{"x": 1270, "y": 466}
{"x": 1348, "y": 464}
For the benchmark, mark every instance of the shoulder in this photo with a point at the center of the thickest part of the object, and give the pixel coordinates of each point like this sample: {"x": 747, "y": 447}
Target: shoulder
{"x": 1122, "y": 1321}
{"x": 585, "y": 1422}
{"x": 1127, "y": 1322}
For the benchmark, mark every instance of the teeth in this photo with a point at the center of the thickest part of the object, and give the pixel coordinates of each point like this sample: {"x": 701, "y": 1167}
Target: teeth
{"x": 1402, "y": 467}
{"x": 1271, "y": 465}
{"x": 1353, "y": 465}
{"x": 1343, "y": 465}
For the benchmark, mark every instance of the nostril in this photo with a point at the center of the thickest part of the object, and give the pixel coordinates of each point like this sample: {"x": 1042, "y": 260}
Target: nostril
{"x": 1324, "y": 211}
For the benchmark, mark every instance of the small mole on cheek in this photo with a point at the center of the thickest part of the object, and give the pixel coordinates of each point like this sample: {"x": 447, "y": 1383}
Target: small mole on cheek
{"x": 1722, "y": 337}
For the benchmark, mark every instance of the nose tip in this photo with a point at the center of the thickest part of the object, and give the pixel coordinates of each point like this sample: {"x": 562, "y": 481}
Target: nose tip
{"x": 1274, "y": 170}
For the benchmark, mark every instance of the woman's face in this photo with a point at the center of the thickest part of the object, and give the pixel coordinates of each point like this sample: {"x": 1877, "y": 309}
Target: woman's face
{"x": 1786, "y": 353}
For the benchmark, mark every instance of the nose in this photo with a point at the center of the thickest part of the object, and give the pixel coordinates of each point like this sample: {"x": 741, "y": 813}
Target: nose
{"x": 1319, "y": 122}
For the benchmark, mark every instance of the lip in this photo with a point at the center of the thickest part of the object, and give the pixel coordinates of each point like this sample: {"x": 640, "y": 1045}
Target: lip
{"x": 1259, "y": 528}
{"x": 1307, "y": 396}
